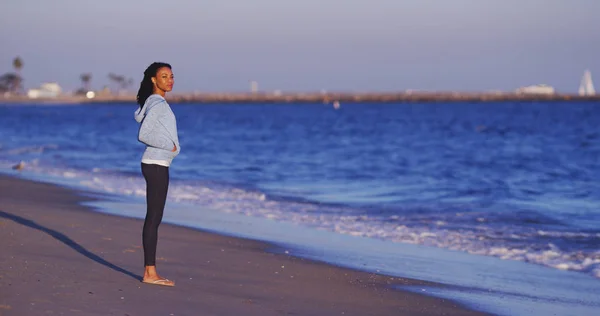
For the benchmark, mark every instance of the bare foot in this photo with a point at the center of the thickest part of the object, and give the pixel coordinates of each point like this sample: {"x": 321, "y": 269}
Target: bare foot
{"x": 158, "y": 281}
{"x": 152, "y": 277}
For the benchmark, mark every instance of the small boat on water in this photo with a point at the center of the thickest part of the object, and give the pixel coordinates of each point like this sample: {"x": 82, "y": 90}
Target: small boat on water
{"x": 586, "y": 88}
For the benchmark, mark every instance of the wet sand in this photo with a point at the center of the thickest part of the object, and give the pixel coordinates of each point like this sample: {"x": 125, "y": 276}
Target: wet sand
{"x": 58, "y": 257}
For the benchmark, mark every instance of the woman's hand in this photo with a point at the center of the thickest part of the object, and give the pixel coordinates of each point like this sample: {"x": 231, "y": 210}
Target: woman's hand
{"x": 174, "y": 148}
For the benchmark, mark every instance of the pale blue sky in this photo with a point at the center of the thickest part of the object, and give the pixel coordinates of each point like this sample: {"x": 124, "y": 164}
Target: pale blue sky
{"x": 349, "y": 45}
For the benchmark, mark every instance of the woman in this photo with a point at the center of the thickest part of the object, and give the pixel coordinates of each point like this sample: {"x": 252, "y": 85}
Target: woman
{"x": 158, "y": 131}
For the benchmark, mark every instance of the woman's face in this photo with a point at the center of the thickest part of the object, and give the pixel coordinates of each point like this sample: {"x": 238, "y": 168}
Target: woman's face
{"x": 164, "y": 79}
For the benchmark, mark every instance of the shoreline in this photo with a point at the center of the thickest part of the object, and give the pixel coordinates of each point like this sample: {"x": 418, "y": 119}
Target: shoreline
{"x": 239, "y": 275}
{"x": 482, "y": 283}
{"x": 325, "y": 98}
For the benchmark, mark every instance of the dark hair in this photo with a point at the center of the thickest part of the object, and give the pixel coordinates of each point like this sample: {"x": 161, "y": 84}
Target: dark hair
{"x": 146, "y": 86}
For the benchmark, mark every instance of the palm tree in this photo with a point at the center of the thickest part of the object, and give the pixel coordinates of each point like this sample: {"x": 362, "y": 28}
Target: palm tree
{"x": 122, "y": 83}
{"x": 18, "y": 65}
{"x": 128, "y": 83}
{"x": 9, "y": 82}
{"x": 116, "y": 79}
{"x": 85, "y": 79}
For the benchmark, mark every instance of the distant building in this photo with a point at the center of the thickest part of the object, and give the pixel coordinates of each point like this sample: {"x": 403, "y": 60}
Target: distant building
{"x": 105, "y": 92}
{"x": 46, "y": 90}
{"x": 536, "y": 89}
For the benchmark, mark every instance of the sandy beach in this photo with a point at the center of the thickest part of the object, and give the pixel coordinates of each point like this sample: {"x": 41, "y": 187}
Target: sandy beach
{"x": 61, "y": 258}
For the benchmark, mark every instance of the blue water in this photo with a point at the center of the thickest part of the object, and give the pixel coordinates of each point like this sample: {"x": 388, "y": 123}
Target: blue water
{"x": 518, "y": 181}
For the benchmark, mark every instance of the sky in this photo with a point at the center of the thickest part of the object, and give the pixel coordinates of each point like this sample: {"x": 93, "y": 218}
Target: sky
{"x": 308, "y": 45}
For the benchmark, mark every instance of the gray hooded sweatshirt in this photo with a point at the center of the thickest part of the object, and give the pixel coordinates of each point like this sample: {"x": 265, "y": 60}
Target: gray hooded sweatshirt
{"x": 158, "y": 131}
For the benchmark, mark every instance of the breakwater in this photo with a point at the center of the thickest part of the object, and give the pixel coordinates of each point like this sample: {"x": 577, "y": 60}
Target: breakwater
{"x": 342, "y": 97}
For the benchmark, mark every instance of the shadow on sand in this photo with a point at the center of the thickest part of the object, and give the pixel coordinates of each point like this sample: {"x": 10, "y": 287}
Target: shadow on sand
{"x": 69, "y": 242}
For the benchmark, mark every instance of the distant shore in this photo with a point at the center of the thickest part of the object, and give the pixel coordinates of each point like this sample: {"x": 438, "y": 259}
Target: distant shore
{"x": 326, "y": 98}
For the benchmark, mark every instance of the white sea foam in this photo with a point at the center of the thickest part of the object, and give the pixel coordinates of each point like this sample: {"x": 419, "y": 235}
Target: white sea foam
{"x": 31, "y": 149}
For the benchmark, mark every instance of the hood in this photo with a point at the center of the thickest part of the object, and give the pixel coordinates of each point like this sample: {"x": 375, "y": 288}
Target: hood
{"x": 140, "y": 113}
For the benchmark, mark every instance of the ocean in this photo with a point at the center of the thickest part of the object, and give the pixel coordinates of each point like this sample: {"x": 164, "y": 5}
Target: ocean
{"x": 516, "y": 181}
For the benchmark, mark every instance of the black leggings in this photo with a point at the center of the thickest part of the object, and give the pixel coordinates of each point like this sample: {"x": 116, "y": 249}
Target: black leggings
{"x": 157, "y": 185}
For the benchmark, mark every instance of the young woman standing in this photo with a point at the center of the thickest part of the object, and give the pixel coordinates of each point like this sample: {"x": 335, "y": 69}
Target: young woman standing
{"x": 158, "y": 131}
